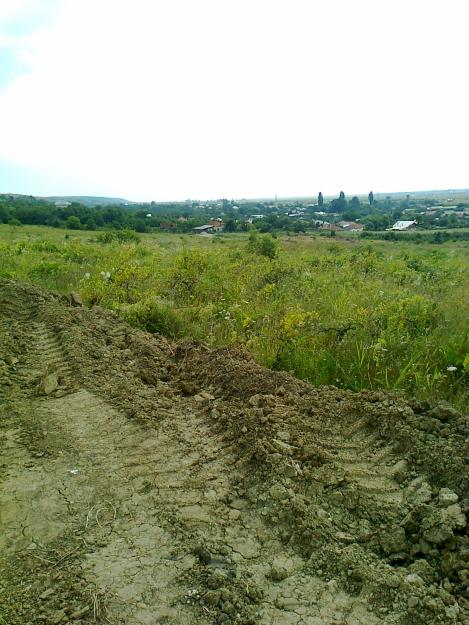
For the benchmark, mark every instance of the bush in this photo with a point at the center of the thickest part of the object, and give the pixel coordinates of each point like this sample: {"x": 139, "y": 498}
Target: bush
{"x": 121, "y": 236}
{"x": 154, "y": 317}
{"x": 262, "y": 244}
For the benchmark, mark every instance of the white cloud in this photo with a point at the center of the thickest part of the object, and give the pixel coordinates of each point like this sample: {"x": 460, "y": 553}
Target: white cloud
{"x": 170, "y": 99}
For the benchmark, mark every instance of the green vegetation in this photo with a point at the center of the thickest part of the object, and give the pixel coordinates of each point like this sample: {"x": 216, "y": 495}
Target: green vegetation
{"x": 375, "y": 214}
{"x": 355, "y": 314}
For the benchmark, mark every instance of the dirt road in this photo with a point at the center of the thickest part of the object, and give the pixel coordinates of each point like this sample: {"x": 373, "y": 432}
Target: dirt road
{"x": 147, "y": 482}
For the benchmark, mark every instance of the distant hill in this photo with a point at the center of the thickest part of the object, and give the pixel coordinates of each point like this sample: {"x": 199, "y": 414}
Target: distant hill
{"x": 88, "y": 200}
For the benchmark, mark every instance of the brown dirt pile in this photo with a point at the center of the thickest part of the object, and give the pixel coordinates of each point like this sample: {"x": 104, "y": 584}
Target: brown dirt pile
{"x": 145, "y": 482}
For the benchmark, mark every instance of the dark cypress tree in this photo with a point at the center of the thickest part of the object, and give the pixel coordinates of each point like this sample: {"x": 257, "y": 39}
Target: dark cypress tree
{"x": 342, "y": 196}
{"x": 371, "y": 197}
{"x": 320, "y": 200}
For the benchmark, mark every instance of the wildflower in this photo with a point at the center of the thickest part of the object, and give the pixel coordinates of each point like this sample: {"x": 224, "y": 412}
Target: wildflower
{"x": 87, "y": 275}
{"x": 451, "y": 368}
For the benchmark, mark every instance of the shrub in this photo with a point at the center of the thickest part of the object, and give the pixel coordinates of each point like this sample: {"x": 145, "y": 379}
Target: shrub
{"x": 121, "y": 236}
{"x": 262, "y": 244}
{"x": 155, "y": 317}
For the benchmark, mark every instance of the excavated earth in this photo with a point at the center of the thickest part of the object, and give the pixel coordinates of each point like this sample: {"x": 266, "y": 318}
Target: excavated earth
{"x": 147, "y": 482}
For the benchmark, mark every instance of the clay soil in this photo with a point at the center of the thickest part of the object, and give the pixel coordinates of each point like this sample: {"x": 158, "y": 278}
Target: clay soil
{"x": 145, "y": 482}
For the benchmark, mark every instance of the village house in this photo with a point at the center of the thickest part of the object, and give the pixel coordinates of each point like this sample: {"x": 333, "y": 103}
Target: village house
{"x": 351, "y": 226}
{"x": 206, "y": 229}
{"x": 403, "y": 225}
{"x": 217, "y": 224}
{"x": 325, "y": 225}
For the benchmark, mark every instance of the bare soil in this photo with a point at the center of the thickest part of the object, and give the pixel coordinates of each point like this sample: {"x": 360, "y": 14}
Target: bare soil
{"x": 146, "y": 482}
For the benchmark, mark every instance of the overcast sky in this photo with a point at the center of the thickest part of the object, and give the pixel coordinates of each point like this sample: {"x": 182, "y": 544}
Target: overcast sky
{"x": 176, "y": 99}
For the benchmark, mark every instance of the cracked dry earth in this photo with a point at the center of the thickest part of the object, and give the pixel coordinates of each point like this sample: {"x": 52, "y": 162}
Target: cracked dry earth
{"x": 147, "y": 482}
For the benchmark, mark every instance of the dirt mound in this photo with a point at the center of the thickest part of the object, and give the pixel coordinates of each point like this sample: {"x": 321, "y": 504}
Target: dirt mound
{"x": 149, "y": 482}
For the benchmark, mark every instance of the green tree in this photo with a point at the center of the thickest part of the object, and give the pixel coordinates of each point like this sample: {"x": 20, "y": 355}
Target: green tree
{"x": 230, "y": 225}
{"x": 320, "y": 200}
{"x": 354, "y": 203}
{"x": 371, "y": 198}
{"x": 73, "y": 223}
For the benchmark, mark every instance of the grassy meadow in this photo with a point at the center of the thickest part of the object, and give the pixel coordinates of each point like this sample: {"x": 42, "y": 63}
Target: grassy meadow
{"x": 343, "y": 311}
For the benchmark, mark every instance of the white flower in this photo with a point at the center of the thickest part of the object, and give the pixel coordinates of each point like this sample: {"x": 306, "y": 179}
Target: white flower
{"x": 451, "y": 368}
{"x": 87, "y": 275}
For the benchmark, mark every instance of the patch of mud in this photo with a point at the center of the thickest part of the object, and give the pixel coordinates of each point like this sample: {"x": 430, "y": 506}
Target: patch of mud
{"x": 149, "y": 482}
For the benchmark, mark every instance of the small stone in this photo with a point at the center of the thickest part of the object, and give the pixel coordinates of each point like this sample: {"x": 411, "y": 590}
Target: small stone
{"x": 278, "y": 573}
{"x": 447, "y": 497}
{"x": 212, "y": 597}
{"x": 393, "y": 540}
{"x": 75, "y": 299}
{"x": 414, "y": 580}
{"x": 49, "y": 383}
{"x": 399, "y": 470}
{"x": 80, "y": 612}
{"x": 255, "y": 400}
{"x": 46, "y": 594}
{"x": 423, "y": 569}
{"x": 206, "y": 395}
{"x": 444, "y": 412}
{"x": 203, "y": 554}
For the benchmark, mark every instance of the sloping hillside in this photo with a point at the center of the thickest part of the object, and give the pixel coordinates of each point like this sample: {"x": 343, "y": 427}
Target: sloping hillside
{"x": 149, "y": 482}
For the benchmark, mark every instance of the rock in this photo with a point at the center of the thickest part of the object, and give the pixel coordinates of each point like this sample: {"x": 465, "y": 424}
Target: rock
{"x": 399, "y": 470}
{"x": 423, "y": 569}
{"x": 444, "y": 412}
{"x": 49, "y": 384}
{"x": 75, "y": 299}
{"x": 278, "y": 573}
{"x": 188, "y": 388}
{"x": 203, "y": 554}
{"x": 46, "y": 594}
{"x": 418, "y": 492}
{"x": 419, "y": 406}
{"x": 207, "y": 395}
{"x": 447, "y": 497}
{"x": 58, "y": 617}
{"x": 278, "y": 492}
{"x": 439, "y": 525}
{"x": 80, "y": 612}
{"x": 414, "y": 580}
{"x": 212, "y": 597}
{"x": 393, "y": 540}
{"x": 255, "y": 400}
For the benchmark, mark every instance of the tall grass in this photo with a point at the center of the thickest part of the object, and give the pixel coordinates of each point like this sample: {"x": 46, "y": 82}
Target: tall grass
{"x": 382, "y": 315}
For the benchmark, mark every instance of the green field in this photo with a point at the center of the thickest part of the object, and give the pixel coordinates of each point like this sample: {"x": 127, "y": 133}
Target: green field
{"x": 346, "y": 312}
